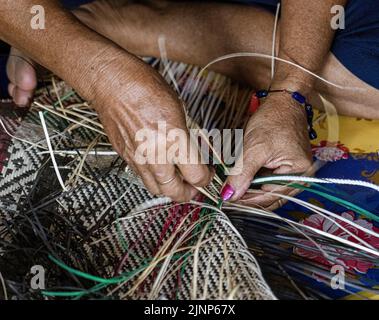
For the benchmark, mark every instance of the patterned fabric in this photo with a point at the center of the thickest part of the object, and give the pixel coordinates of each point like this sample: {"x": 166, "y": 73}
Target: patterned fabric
{"x": 349, "y": 166}
{"x": 107, "y": 225}
{"x": 355, "y": 135}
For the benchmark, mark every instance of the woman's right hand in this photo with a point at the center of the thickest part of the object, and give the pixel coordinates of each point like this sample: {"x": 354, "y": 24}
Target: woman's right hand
{"x": 130, "y": 96}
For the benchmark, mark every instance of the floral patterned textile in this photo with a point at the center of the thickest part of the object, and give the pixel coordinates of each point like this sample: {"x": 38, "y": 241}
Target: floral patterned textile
{"x": 339, "y": 163}
{"x": 357, "y": 135}
{"x": 321, "y": 223}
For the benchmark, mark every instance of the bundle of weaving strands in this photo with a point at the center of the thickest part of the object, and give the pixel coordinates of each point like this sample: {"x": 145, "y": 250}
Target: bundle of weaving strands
{"x": 68, "y": 203}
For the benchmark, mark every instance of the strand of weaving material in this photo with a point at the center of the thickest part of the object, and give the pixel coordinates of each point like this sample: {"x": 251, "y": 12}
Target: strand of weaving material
{"x": 51, "y": 151}
{"x": 340, "y": 201}
{"x": 172, "y": 247}
{"x": 91, "y": 277}
{"x": 317, "y": 180}
{"x": 274, "y": 41}
{"x": 267, "y": 56}
{"x": 325, "y": 234}
{"x": 335, "y": 216}
{"x": 63, "y": 204}
{"x": 270, "y": 239}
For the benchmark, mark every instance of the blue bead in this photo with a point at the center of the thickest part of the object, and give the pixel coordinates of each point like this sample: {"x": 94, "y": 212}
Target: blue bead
{"x": 298, "y": 97}
{"x": 312, "y": 134}
{"x": 308, "y": 108}
{"x": 262, "y": 93}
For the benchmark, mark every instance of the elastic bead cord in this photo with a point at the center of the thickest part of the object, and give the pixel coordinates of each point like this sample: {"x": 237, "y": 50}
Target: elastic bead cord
{"x": 299, "y": 98}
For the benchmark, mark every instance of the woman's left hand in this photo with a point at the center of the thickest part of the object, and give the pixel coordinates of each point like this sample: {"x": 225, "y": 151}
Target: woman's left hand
{"x": 276, "y": 138}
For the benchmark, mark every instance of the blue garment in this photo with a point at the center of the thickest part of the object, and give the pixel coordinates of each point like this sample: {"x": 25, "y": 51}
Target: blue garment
{"x": 357, "y": 46}
{"x": 72, "y": 4}
{"x": 4, "y": 52}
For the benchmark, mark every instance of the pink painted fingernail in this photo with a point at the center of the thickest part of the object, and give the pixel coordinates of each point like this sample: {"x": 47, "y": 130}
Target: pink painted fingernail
{"x": 227, "y": 192}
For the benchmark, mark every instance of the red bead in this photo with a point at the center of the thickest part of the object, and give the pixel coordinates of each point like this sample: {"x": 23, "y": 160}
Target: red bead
{"x": 254, "y": 103}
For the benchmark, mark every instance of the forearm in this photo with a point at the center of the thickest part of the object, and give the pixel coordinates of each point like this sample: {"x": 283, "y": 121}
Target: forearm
{"x": 65, "y": 46}
{"x": 305, "y": 39}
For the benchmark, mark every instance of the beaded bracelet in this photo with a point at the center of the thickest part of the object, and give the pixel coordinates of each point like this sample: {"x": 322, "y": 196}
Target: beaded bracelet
{"x": 255, "y": 102}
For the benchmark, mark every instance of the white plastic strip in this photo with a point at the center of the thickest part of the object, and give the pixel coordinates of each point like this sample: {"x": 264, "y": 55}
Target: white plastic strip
{"x": 318, "y": 180}
{"x": 51, "y": 151}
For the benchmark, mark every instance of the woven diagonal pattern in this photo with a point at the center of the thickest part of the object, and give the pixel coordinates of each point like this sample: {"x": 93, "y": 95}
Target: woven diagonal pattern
{"x": 97, "y": 227}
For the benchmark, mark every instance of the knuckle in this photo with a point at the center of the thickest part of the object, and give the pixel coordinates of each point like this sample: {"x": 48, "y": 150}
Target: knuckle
{"x": 179, "y": 197}
{"x": 198, "y": 179}
{"x": 178, "y": 192}
{"x": 172, "y": 191}
{"x": 305, "y": 163}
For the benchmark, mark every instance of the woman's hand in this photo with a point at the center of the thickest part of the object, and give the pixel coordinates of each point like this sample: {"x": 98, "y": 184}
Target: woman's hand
{"x": 127, "y": 94}
{"x": 276, "y": 138}
{"x": 130, "y": 96}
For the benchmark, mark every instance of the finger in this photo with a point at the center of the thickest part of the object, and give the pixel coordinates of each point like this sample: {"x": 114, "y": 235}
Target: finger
{"x": 142, "y": 171}
{"x": 282, "y": 202}
{"x": 266, "y": 198}
{"x": 21, "y": 70}
{"x": 21, "y": 97}
{"x": 11, "y": 88}
{"x": 148, "y": 180}
{"x": 23, "y": 78}
{"x": 190, "y": 164}
{"x": 198, "y": 175}
{"x": 242, "y": 174}
{"x": 301, "y": 168}
{"x": 172, "y": 184}
{"x": 145, "y": 174}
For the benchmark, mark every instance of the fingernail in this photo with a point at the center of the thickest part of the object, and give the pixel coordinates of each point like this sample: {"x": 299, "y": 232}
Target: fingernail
{"x": 227, "y": 192}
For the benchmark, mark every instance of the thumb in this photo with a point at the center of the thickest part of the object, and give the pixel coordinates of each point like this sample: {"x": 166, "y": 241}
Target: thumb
{"x": 242, "y": 174}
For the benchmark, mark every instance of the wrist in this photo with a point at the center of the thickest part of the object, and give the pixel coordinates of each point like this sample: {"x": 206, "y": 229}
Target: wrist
{"x": 293, "y": 84}
{"x": 292, "y": 78}
{"x": 100, "y": 76}
{"x": 91, "y": 81}
{"x": 283, "y": 103}
{"x": 287, "y": 105}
